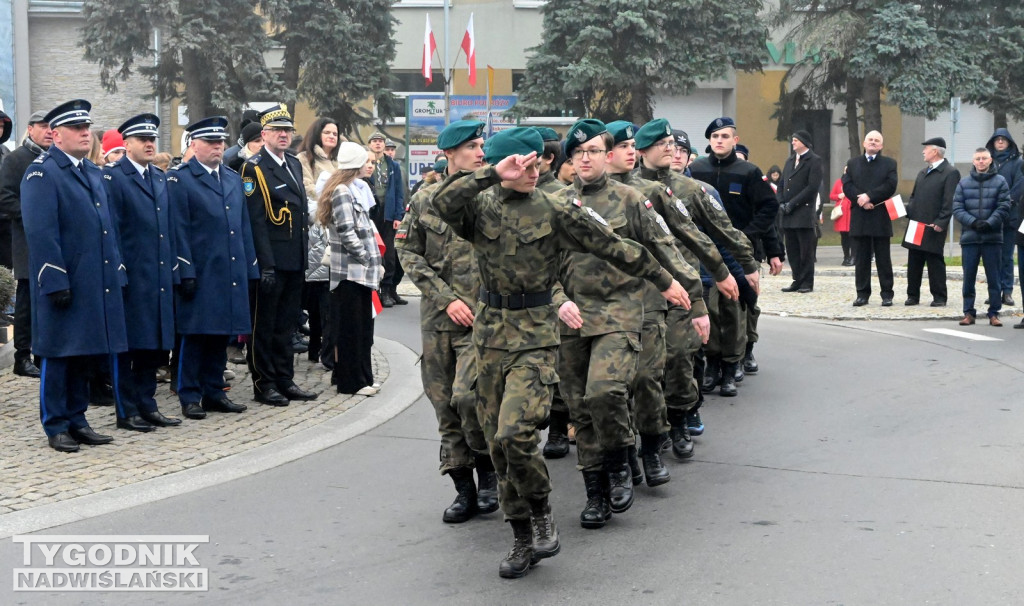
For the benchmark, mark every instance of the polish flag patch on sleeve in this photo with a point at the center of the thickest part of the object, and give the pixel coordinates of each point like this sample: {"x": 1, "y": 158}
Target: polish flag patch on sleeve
{"x": 577, "y": 203}
{"x": 648, "y": 204}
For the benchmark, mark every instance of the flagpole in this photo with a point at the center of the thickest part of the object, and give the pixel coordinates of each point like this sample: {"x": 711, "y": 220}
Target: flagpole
{"x": 447, "y": 69}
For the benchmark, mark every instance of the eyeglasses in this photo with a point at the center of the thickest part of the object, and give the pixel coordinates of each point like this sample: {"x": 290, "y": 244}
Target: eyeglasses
{"x": 590, "y": 153}
{"x": 668, "y": 144}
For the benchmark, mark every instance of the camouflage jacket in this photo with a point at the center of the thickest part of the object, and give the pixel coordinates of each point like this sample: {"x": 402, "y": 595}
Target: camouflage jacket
{"x": 707, "y": 214}
{"x": 611, "y": 300}
{"x": 518, "y": 239}
{"x": 549, "y": 183}
{"x": 439, "y": 263}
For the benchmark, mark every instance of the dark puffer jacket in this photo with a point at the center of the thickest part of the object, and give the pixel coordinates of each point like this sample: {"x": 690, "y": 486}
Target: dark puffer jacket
{"x": 1009, "y": 164}
{"x": 983, "y": 197}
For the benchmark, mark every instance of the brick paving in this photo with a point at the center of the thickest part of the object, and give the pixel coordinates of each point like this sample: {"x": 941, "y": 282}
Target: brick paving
{"x": 33, "y": 474}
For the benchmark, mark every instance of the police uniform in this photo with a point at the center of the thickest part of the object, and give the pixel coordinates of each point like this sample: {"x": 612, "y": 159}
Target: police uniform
{"x": 77, "y": 305}
{"x": 141, "y": 214}
{"x": 442, "y": 266}
{"x": 216, "y": 260}
{"x": 518, "y": 239}
{"x": 278, "y": 211}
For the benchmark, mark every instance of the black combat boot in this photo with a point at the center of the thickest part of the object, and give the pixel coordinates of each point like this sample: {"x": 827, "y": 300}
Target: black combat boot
{"x": 487, "y": 485}
{"x": 712, "y": 375}
{"x": 656, "y": 472}
{"x": 597, "y": 512}
{"x": 620, "y": 484}
{"x": 738, "y": 375}
{"x": 728, "y": 379}
{"x": 634, "y": 466}
{"x": 557, "y": 445}
{"x": 518, "y": 561}
{"x": 464, "y": 505}
{"x": 397, "y": 299}
{"x": 545, "y": 533}
{"x": 682, "y": 443}
{"x": 749, "y": 363}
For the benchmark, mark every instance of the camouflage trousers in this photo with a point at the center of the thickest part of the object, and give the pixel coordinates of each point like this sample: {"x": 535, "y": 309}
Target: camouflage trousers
{"x": 596, "y": 376}
{"x": 682, "y": 344}
{"x": 513, "y": 397}
{"x": 728, "y": 328}
{"x": 753, "y": 313}
{"x": 649, "y": 414}
{"x": 448, "y": 371}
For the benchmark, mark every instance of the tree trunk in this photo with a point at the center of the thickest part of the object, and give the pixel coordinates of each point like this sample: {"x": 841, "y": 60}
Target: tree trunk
{"x": 290, "y": 75}
{"x": 872, "y": 99}
{"x": 852, "y": 124}
{"x": 641, "y": 110}
{"x": 999, "y": 118}
{"x": 198, "y": 92}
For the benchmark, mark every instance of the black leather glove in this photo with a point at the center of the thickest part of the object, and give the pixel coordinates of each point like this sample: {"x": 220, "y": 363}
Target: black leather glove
{"x": 187, "y": 289}
{"x": 979, "y": 225}
{"x": 60, "y": 299}
{"x": 267, "y": 280}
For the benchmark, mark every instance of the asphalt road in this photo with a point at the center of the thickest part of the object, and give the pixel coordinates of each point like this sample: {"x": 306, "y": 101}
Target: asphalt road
{"x": 867, "y": 463}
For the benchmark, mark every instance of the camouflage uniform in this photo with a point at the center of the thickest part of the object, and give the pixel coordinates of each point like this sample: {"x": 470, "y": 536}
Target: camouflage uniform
{"x": 549, "y": 183}
{"x": 682, "y": 393}
{"x": 598, "y": 362}
{"x": 440, "y": 264}
{"x": 518, "y": 239}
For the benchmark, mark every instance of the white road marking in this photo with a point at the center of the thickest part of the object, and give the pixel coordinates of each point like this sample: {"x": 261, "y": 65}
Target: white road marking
{"x": 959, "y": 333}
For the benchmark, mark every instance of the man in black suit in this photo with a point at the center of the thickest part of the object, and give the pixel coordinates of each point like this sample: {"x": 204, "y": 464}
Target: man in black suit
{"x": 798, "y": 197}
{"x": 869, "y": 181}
{"x": 931, "y": 203}
{"x": 272, "y": 182}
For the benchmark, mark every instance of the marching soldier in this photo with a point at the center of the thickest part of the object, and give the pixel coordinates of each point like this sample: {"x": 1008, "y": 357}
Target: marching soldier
{"x": 77, "y": 305}
{"x": 272, "y": 181}
{"x": 216, "y": 261}
{"x": 141, "y": 214}
{"x": 518, "y": 235}
{"x": 441, "y": 265}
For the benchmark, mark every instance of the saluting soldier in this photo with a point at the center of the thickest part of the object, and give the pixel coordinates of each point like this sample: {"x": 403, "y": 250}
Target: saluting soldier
{"x": 142, "y": 217}
{"x": 518, "y": 234}
{"x": 441, "y": 265}
{"x": 216, "y": 261}
{"x": 77, "y": 305}
{"x": 272, "y": 181}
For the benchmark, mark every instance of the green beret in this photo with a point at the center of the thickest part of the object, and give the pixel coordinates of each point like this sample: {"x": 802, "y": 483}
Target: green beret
{"x": 458, "y": 132}
{"x": 547, "y": 134}
{"x": 622, "y": 130}
{"x": 514, "y": 141}
{"x": 581, "y": 132}
{"x": 652, "y": 132}
{"x": 440, "y": 166}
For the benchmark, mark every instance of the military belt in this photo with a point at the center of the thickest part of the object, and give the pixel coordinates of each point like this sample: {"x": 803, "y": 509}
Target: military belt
{"x": 515, "y": 301}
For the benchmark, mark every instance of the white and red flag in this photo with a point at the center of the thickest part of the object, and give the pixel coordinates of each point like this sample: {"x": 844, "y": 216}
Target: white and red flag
{"x": 429, "y": 46}
{"x": 469, "y": 47}
{"x": 895, "y": 207}
{"x": 377, "y": 306}
{"x": 915, "y": 233}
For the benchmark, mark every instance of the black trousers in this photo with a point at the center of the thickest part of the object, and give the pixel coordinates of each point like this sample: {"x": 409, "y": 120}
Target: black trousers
{"x": 22, "y": 322}
{"x": 275, "y": 316}
{"x": 352, "y": 331}
{"x": 135, "y": 381}
{"x": 317, "y": 301}
{"x": 393, "y": 272}
{"x": 916, "y": 261}
{"x": 201, "y": 363}
{"x": 864, "y": 247}
{"x": 800, "y": 246}
{"x": 844, "y": 239}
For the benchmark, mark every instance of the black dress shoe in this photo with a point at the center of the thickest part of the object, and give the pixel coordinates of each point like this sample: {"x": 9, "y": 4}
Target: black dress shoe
{"x": 804, "y": 291}
{"x": 860, "y": 301}
{"x": 193, "y": 410}
{"x": 938, "y": 304}
{"x": 400, "y": 301}
{"x": 912, "y": 301}
{"x": 1007, "y": 299}
{"x": 85, "y": 435}
{"x": 63, "y": 442}
{"x": 157, "y": 418}
{"x": 790, "y": 288}
{"x": 886, "y": 302}
{"x": 25, "y": 368}
{"x": 222, "y": 405}
{"x": 294, "y": 392}
{"x": 387, "y": 301}
{"x": 272, "y": 397}
{"x": 134, "y": 424}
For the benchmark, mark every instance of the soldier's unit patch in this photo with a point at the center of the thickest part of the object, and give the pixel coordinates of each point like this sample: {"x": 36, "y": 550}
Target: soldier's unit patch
{"x": 715, "y": 204}
{"x": 597, "y": 217}
{"x": 248, "y": 185}
{"x": 662, "y": 223}
{"x": 648, "y": 204}
{"x": 682, "y": 208}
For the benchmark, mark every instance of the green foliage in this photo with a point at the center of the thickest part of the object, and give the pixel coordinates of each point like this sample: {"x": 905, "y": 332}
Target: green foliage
{"x": 611, "y": 58}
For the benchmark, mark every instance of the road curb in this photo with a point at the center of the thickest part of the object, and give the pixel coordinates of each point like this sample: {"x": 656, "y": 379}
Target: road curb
{"x": 397, "y": 394}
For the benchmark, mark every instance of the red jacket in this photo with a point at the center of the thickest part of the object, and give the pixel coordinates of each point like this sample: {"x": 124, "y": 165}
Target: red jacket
{"x": 842, "y": 224}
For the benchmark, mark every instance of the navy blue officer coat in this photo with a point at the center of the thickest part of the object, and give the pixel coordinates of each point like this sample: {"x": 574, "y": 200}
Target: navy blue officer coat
{"x": 213, "y": 238}
{"x": 72, "y": 245}
{"x": 142, "y": 220}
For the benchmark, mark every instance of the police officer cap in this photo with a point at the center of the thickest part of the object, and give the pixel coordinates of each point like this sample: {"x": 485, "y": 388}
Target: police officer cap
{"x": 440, "y": 166}
{"x": 276, "y": 116}
{"x": 520, "y": 140}
{"x": 682, "y": 139}
{"x": 458, "y": 132}
{"x": 213, "y": 128}
{"x": 547, "y": 134}
{"x": 742, "y": 149}
{"x": 936, "y": 141}
{"x": 6, "y": 126}
{"x": 652, "y": 132}
{"x": 69, "y": 114}
{"x": 718, "y": 124}
{"x": 143, "y": 125}
{"x": 622, "y": 130}
{"x": 581, "y": 132}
